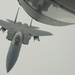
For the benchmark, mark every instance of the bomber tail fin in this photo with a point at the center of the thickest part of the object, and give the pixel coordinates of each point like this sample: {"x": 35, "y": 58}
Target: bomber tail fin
{"x": 16, "y": 16}
{"x": 31, "y": 22}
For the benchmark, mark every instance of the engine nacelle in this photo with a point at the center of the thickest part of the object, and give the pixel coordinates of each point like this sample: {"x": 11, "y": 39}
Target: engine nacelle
{"x": 10, "y": 34}
{"x": 26, "y": 39}
{"x": 36, "y": 38}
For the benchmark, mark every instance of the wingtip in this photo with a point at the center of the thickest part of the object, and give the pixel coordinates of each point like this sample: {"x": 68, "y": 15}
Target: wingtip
{"x": 49, "y": 34}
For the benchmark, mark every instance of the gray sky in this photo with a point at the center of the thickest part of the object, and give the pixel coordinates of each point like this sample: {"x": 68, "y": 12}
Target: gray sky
{"x": 53, "y": 55}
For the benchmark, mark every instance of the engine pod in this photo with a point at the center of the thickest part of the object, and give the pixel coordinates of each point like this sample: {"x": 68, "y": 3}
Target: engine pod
{"x": 32, "y": 7}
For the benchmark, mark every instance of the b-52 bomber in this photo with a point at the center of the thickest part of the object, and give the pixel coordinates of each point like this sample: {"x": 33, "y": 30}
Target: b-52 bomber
{"x": 19, "y": 34}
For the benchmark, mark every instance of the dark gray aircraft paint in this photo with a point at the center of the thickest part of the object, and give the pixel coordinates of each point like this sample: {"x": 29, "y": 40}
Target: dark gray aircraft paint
{"x": 19, "y": 34}
{"x": 38, "y": 9}
{"x": 68, "y": 5}
{"x": 14, "y": 50}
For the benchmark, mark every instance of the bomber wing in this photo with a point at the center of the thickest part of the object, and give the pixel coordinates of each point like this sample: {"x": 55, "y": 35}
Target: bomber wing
{"x": 35, "y": 32}
{"x": 6, "y": 25}
{"x": 10, "y": 23}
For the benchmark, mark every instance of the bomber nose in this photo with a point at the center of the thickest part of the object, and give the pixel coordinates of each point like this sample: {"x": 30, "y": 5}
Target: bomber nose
{"x": 8, "y": 68}
{"x": 12, "y": 56}
{"x": 13, "y": 52}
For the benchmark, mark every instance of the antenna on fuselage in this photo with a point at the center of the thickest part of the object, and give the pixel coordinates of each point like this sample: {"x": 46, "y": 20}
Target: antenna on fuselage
{"x": 16, "y": 16}
{"x": 31, "y": 22}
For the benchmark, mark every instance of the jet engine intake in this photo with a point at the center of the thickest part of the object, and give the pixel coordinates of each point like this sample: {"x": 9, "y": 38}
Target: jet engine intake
{"x": 10, "y": 34}
{"x": 26, "y": 38}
